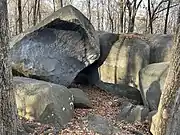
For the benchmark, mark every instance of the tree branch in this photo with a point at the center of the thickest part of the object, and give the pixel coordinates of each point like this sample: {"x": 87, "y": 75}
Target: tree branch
{"x": 161, "y": 2}
{"x": 166, "y": 8}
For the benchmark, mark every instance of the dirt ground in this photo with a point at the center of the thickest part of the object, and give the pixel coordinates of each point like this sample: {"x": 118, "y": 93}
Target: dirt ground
{"x": 105, "y": 105}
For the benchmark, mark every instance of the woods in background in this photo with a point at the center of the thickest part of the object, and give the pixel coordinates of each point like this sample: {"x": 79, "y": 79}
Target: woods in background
{"x": 117, "y": 16}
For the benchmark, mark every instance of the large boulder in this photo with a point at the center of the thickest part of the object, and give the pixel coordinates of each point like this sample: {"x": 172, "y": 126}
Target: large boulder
{"x": 125, "y": 58}
{"x": 90, "y": 74}
{"x": 160, "y": 47}
{"x": 151, "y": 83}
{"x": 56, "y": 49}
{"x": 43, "y": 101}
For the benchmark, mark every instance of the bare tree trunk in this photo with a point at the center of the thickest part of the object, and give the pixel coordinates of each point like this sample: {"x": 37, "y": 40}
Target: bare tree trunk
{"x": 8, "y": 111}
{"x": 125, "y": 20}
{"x": 132, "y": 8}
{"x": 130, "y": 14}
{"x": 29, "y": 11}
{"x": 98, "y": 15}
{"x": 161, "y": 122}
{"x": 110, "y": 17}
{"x": 20, "y": 16}
{"x": 39, "y": 10}
{"x": 146, "y": 21}
{"x": 131, "y": 24}
{"x": 118, "y": 24}
{"x": 54, "y": 5}
{"x": 102, "y": 15}
{"x": 150, "y": 17}
{"x": 122, "y": 3}
{"x": 89, "y": 9}
{"x": 60, "y": 4}
{"x": 115, "y": 25}
{"x": 34, "y": 13}
{"x": 16, "y": 21}
{"x": 167, "y": 15}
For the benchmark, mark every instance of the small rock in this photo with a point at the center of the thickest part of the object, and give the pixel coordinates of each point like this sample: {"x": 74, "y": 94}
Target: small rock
{"x": 80, "y": 98}
{"x": 99, "y": 125}
{"x": 132, "y": 113}
{"x": 150, "y": 115}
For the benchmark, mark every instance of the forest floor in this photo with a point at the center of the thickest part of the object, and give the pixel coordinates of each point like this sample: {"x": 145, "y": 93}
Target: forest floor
{"x": 105, "y": 105}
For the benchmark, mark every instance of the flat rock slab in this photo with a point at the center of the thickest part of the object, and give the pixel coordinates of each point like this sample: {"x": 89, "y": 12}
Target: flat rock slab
{"x": 121, "y": 90}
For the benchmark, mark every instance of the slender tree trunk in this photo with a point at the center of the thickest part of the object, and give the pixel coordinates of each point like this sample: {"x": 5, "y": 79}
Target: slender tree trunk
{"x": 98, "y": 15}
{"x": 60, "y": 4}
{"x": 133, "y": 8}
{"x": 16, "y": 21}
{"x": 131, "y": 24}
{"x": 39, "y": 10}
{"x": 167, "y": 109}
{"x": 115, "y": 25}
{"x": 102, "y": 15}
{"x": 110, "y": 16}
{"x": 35, "y": 13}
{"x": 54, "y": 5}
{"x": 8, "y": 111}
{"x": 125, "y": 21}
{"x": 122, "y": 15}
{"x": 150, "y": 17}
{"x": 89, "y": 9}
{"x": 118, "y": 24}
{"x": 20, "y": 16}
{"x": 167, "y": 15}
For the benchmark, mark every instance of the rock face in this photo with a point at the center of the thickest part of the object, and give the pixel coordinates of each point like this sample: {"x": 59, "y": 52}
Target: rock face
{"x": 121, "y": 90}
{"x": 125, "y": 58}
{"x": 57, "y": 49}
{"x": 80, "y": 98}
{"x": 43, "y": 101}
{"x": 133, "y": 113}
{"x": 151, "y": 83}
{"x": 90, "y": 74}
{"x": 160, "y": 47}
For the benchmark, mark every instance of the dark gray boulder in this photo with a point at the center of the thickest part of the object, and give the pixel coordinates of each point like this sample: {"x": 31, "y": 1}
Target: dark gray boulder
{"x": 151, "y": 83}
{"x": 90, "y": 74}
{"x": 150, "y": 115}
{"x": 160, "y": 47}
{"x": 57, "y": 49}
